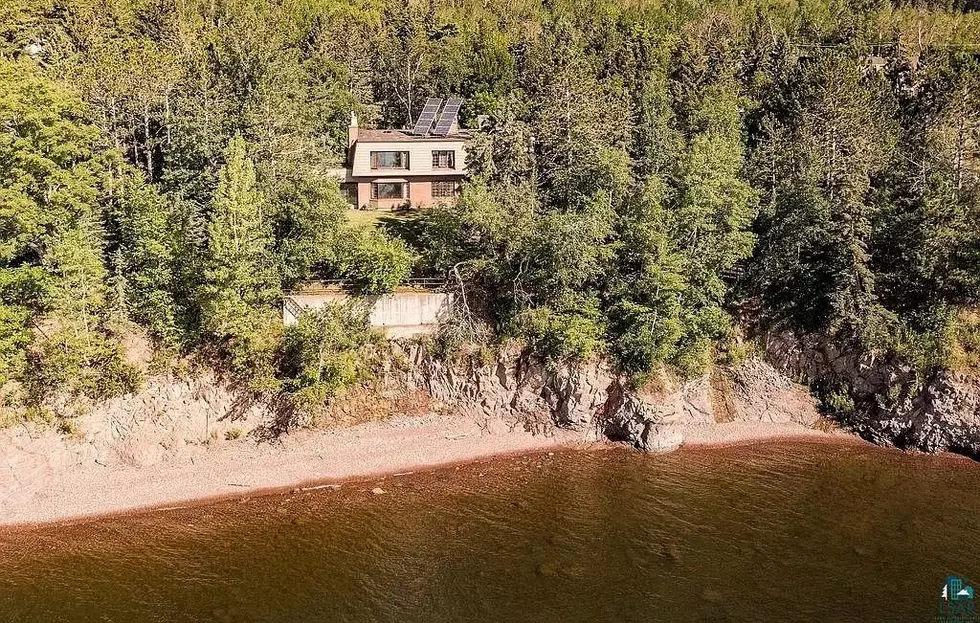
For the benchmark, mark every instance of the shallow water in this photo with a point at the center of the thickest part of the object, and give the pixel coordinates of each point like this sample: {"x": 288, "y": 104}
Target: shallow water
{"x": 772, "y": 532}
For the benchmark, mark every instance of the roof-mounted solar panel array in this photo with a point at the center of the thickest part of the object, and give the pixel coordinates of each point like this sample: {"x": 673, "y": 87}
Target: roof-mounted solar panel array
{"x": 428, "y": 116}
{"x": 448, "y": 117}
{"x": 429, "y": 113}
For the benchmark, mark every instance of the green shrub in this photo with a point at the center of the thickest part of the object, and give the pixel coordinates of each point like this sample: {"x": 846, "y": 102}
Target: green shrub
{"x": 557, "y": 336}
{"x": 375, "y": 261}
{"x": 965, "y": 341}
{"x": 840, "y": 403}
{"x": 326, "y": 350}
{"x": 68, "y": 427}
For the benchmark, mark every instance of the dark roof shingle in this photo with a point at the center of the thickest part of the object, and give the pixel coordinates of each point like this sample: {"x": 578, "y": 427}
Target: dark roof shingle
{"x": 386, "y": 136}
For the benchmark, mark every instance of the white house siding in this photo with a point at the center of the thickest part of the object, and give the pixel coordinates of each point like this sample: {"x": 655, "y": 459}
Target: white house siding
{"x": 419, "y": 158}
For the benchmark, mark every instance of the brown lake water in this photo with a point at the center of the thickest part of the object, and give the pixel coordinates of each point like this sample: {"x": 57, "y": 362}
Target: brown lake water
{"x": 770, "y": 532}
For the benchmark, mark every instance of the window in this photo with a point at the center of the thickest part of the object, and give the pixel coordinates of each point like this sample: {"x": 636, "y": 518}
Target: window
{"x": 444, "y": 159}
{"x": 443, "y": 189}
{"x": 389, "y": 159}
{"x": 388, "y": 190}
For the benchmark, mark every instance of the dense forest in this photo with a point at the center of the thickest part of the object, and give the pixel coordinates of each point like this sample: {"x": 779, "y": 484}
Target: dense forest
{"x": 652, "y": 180}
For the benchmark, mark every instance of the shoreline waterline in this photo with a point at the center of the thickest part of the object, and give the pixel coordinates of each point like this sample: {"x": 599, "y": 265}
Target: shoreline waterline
{"x": 562, "y": 535}
{"x": 320, "y": 459}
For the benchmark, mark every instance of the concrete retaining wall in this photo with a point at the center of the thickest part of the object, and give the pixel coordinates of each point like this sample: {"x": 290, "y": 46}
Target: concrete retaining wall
{"x": 402, "y": 314}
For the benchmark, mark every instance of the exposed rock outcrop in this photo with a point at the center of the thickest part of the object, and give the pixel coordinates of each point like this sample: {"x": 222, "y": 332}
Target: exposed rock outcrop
{"x": 941, "y": 414}
{"x": 515, "y": 386}
{"x": 179, "y": 419}
{"x": 886, "y": 400}
{"x": 168, "y": 418}
{"x": 591, "y": 398}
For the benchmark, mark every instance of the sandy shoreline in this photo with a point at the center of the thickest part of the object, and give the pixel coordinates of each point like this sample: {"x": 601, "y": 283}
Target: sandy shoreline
{"x": 59, "y": 493}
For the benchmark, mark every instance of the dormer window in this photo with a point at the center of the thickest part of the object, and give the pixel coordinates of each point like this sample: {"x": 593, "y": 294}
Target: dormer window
{"x": 444, "y": 159}
{"x": 389, "y": 159}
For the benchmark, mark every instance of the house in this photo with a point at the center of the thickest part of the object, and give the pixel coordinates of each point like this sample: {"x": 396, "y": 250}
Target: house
{"x": 388, "y": 169}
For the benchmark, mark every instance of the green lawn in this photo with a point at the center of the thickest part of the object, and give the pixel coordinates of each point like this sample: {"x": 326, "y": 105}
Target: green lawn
{"x": 373, "y": 217}
{"x": 404, "y": 224}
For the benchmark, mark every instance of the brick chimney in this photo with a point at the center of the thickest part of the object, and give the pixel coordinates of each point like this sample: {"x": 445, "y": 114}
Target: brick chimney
{"x": 352, "y": 130}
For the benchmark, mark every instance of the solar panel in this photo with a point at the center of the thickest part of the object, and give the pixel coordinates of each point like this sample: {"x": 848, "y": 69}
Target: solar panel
{"x": 428, "y": 115}
{"x": 449, "y": 113}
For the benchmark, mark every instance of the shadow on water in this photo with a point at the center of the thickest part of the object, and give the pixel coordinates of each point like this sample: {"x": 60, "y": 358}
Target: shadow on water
{"x": 774, "y": 532}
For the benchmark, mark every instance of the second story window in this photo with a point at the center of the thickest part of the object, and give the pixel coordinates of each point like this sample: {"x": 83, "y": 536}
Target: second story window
{"x": 389, "y": 159}
{"x": 444, "y": 159}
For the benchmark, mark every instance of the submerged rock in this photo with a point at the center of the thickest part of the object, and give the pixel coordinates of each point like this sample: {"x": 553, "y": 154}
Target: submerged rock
{"x": 662, "y": 439}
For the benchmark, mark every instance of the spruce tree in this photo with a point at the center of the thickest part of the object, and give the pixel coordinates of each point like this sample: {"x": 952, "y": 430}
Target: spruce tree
{"x": 239, "y": 283}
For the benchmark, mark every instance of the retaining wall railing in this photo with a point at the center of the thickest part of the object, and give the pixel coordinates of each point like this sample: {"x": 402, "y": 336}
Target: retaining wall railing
{"x": 331, "y": 285}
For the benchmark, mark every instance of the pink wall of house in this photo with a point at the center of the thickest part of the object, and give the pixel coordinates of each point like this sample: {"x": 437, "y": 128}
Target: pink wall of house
{"x": 419, "y": 194}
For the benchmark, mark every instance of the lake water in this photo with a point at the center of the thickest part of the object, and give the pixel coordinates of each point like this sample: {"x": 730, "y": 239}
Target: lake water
{"x": 771, "y": 532}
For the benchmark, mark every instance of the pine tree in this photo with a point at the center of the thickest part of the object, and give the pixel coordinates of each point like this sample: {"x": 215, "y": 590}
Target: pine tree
{"x": 687, "y": 225}
{"x": 238, "y": 279}
{"x": 149, "y": 261}
{"x": 838, "y": 137}
{"x": 53, "y": 176}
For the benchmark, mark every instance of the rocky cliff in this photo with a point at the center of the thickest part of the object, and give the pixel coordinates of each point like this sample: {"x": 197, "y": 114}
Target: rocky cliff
{"x": 886, "y": 403}
{"x": 169, "y": 418}
{"x": 591, "y": 398}
{"x": 185, "y": 438}
{"x": 886, "y": 400}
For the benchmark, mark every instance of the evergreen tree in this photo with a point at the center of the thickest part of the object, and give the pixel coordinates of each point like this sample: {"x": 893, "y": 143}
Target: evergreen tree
{"x": 926, "y": 250}
{"x": 839, "y": 136}
{"x": 239, "y": 284}
{"x": 53, "y": 175}
{"x": 150, "y": 263}
{"x": 687, "y": 227}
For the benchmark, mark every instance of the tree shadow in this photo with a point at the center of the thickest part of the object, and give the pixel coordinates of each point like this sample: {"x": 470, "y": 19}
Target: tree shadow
{"x": 409, "y": 227}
